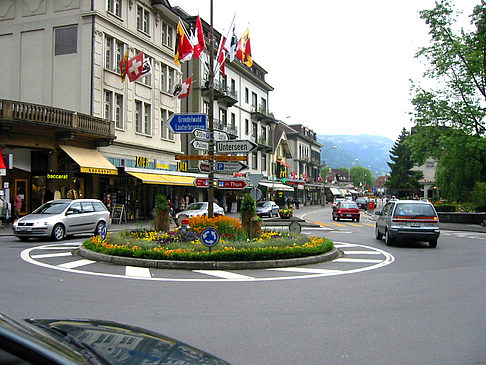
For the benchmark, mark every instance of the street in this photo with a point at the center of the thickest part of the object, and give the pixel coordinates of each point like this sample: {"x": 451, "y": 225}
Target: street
{"x": 385, "y": 305}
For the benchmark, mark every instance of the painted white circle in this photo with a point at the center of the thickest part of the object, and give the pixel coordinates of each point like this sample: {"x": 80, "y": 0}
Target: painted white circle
{"x": 355, "y": 254}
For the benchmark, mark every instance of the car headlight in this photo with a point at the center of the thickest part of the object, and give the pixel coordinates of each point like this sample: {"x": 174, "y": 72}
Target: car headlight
{"x": 39, "y": 224}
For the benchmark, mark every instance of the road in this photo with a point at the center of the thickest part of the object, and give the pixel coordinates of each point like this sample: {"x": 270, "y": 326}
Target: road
{"x": 392, "y": 305}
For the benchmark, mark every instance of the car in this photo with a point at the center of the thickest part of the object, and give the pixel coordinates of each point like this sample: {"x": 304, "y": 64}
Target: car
{"x": 63, "y": 217}
{"x": 408, "y": 220}
{"x": 267, "y": 208}
{"x": 337, "y": 200}
{"x": 362, "y": 203}
{"x": 346, "y": 209}
{"x": 86, "y": 341}
{"x": 197, "y": 209}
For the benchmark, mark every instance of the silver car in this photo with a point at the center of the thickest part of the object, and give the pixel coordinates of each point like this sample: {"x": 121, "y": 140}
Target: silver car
{"x": 60, "y": 218}
{"x": 267, "y": 208}
{"x": 408, "y": 220}
{"x": 197, "y": 209}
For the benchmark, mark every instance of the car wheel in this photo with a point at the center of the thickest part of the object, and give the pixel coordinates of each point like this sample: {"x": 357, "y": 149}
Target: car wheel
{"x": 58, "y": 232}
{"x": 388, "y": 239}
{"x": 357, "y": 219}
{"x": 99, "y": 228}
{"x": 338, "y": 219}
{"x": 433, "y": 243}
{"x": 378, "y": 235}
{"x": 333, "y": 217}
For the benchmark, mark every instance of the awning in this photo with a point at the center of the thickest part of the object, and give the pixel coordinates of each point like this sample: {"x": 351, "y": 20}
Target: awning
{"x": 335, "y": 191}
{"x": 163, "y": 179}
{"x": 283, "y": 163}
{"x": 90, "y": 161}
{"x": 277, "y": 186}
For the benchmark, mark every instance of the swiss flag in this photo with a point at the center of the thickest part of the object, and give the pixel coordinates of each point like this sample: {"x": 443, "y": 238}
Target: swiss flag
{"x": 183, "y": 89}
{"x": 135, "y": 67}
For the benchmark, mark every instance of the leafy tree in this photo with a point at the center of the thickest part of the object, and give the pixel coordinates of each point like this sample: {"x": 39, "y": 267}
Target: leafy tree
{"x": 449, "y": 118}
{"x": 361, "y": 177}
{"x": 403, "y": 181}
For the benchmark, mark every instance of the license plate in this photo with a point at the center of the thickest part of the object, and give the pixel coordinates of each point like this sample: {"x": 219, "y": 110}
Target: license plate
{"x": 415, "y": 224}
{"x": 349, "y": 215}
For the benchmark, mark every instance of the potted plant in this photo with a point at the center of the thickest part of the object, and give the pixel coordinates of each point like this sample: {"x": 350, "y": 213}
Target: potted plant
{"x": 286, "y": 213}
{"x": 252, "y": 224}
{"x": 162, "y": 213}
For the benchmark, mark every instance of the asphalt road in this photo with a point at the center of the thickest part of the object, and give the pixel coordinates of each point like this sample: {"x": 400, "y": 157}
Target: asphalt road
{"x": 426, "y": 306}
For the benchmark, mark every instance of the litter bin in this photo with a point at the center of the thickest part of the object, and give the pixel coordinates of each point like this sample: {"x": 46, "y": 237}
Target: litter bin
{"x": 371, "y": 205}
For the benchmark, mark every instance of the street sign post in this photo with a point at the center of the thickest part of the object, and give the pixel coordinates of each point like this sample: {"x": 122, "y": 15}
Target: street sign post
{"x": 207, "y": 158}
{"x": 186, "y": 123}
{"x": 200, "y": 145}
{"x": 230, "y": 167}
{"x": 235, "y": 146}
{"x": 231, "y": 184}
{"x": 201, "y": 182}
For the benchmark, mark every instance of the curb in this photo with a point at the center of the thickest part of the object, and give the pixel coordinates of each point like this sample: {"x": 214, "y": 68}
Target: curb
{"x": 207, "y": 265}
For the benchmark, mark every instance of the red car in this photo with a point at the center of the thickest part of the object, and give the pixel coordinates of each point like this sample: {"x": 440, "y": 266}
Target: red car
{"x": 347, "y": 209}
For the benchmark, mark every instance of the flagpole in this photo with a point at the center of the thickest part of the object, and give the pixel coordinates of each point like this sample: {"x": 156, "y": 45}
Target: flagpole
{"x": 211, "y": 116}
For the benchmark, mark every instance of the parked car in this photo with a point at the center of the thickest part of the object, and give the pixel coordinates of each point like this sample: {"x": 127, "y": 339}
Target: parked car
{"x": 63, "y": 217}
{"x": 85, "y": 341}
{"x": 267, "y": 208}
{"x": 362, "y": 203}
{"x": 408, "y": 220}
{"x": 197, "y": 209}
{"x": 346, "y": 209}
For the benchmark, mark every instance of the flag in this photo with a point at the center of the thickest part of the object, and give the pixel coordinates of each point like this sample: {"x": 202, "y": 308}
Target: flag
{"x": 181, "y": 90}
{"x": 184, "y": 48}
{"x": 135, "y": 67}
{"x": 244, "y": 49}
{"x": 123, "y": 67}
{"x": 221, "y": 58}
{"x": 197, "y": 39}
{"x": 147, "y": 67}
{"x": 231, "y": 43}
{"x": 319, "y": 179}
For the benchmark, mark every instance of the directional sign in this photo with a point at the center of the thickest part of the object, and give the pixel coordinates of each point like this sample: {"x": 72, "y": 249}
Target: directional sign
{"x": 231, "y": 184}
{"x": 207, "y": 158}
{"x": 187, "y": 123}
{"x": 235, "y": 146}
{"x": 201, "y": 182}
{"x": 204, "y": 135}
{"x": 200, "y": 145}
{"x": 209, "y": 237}
{"x": 230, "y": 167}
{"x": 204, "y": 166}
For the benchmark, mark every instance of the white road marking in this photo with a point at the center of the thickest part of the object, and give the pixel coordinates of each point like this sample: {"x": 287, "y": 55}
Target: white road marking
{"x": 47, "y": 255}
{"x": 224, "y": 274}
{"x": 78, "y": 263}
{"x": 344, "y": 259}
{"x": 141, "y": 272}
{"x": 308, "y": 270}
{"x": 61, "y": 248}
{"x": 361, "y": 252}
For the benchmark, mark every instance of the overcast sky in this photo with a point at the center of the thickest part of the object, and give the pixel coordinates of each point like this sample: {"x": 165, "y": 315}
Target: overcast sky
{"x": 338, "y": 67}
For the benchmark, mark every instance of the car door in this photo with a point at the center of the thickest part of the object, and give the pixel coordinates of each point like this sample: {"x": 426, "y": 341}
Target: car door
{"x": 89, "y": 217}
{"x": 382, "y": 219}
{"x": 74, "y": 218}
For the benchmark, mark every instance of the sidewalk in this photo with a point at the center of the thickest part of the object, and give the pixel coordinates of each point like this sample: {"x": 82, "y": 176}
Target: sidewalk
{"x": 7, "y": 231}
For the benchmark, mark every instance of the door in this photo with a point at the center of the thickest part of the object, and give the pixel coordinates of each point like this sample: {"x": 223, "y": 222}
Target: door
{"x": 21, "y": 190}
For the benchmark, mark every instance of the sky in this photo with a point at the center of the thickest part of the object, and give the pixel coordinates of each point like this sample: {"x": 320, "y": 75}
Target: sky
{"x": 337, "y": 67}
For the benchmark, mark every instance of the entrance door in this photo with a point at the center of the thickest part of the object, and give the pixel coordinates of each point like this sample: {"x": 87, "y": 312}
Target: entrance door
{"x": 21, "y": 189}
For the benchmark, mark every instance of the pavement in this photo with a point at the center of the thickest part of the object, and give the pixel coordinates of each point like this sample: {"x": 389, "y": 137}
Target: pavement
{"x": 298, "y": 213}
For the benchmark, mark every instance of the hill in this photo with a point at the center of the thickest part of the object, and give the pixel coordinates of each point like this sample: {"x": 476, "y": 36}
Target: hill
{"x": 372, "y": 152}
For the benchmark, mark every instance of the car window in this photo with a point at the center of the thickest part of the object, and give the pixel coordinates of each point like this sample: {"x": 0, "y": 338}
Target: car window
{"x": 349, "y": 205}
{"x": 414, "y": 210}
{"x": 196, "y": 206}
{"x": 51, "y": 208}
{"x": 87, "y": 207}
{"x": 386, "y": 209}
{"x": 75, "y": 208}
{"x": 99, "y": 207}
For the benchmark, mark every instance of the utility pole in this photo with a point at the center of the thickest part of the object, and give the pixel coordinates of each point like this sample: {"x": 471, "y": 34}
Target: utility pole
{"x": 211, "y": 116}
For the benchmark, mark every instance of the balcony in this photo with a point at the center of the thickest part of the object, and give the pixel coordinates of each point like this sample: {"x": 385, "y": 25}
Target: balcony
{"x": 231, "y": 130}
{"x": 261, "y": 112}
{"x": 65, "y": 124}
{"x": 222, "y": 93}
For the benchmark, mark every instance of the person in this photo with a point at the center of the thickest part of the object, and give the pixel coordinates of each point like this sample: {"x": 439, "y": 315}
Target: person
{"x": 3, "y": 209}
{"x": 17, "y": 206}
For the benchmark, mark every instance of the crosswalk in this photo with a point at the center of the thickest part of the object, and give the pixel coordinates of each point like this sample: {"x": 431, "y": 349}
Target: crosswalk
{"x": 356, "y": 258}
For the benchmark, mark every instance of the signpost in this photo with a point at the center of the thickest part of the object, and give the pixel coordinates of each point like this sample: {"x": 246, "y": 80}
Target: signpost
{"x": 200, "y": 145}
{"x": 231, "y": 184}
{"x": 230, "y": 167}
{"x": 235, "y": 146}
{"x": 207, "y": 158}
{"x": 204, "y": 166}
{"x": 204, "y": 135}
{"x": 186, "y": 123}
{"x": 201, "y": 182}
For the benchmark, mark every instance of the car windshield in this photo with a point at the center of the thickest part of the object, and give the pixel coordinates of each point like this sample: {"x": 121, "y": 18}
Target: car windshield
{"x": 349, "y": 205}
{"x": 414, "y": 210}
{"x": 51, "y": 208}
{"x": 263, "y": 204}
{"x": 196, "y": 206}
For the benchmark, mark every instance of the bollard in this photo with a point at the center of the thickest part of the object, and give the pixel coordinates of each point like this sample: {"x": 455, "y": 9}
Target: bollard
{"x": 185, "y": 226}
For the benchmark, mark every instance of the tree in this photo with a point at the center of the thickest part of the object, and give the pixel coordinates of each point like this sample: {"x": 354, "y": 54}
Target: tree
{"x": 403, "y": 181}
{"x": 361, "y": 177}
{"x": 449, "y": 118}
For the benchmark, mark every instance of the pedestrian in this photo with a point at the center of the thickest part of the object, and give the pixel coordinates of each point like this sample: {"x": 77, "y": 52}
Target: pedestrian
{"x": 17, "y": 206}
{"x": 3, "y": 209}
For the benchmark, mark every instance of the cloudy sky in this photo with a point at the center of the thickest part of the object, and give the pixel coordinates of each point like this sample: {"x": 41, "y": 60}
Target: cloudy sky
{"x": 338, "y": 67}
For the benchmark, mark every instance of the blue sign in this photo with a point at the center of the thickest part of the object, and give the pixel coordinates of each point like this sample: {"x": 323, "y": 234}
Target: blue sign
{"x": 103, "y": 232}
{"x": 187, "y": 123}
{"x": 209, "y": 237}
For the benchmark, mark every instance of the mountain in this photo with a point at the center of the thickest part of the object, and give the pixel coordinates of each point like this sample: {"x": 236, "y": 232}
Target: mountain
{"x": 371, "y": 152}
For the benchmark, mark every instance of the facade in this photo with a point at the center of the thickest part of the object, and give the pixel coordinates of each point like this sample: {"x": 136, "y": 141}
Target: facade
{"x": 427, "y": 183}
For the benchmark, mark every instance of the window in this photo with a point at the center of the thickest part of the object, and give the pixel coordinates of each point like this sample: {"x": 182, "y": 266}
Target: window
{"x": 163, "y": 77}
{"x": 247, "y": 127}
{"x": 66, "y": 40}
{"x": 143, "y": 19}
{"x": 233, "y": 120}
{"x": 264, "y": 105}
{"x": 165, "y": 132}
{"x": 254, "y": 130}
{"x": 108, "y": 100}
{"x": 167, "y": 35}
{"x": 118, "y": 111}
{"x": 247, "y": 95}
{"x": 264, "y": 162}
{"x": 138, "y": 116}
{"x": 113, "y": 108}
{"x": 223, "y": 117}
{"x": 108, "y": 52}
{"x": 233, "y": 86}
{"x": 114, "y": 7}
{"x": 255, "y": 160}
{"x": 167, "y": 78}
{"x": 114, "y": 52}
{"x": 147, "y": 119}
{"x": 254, "y": 101}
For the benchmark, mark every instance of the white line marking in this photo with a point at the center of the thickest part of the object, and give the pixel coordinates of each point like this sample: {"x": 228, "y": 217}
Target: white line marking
{"x": 371, "y": 261}
{"x": 224, "y": 274}
{"x": 308, "y": 270}
{"x": 361, "y": 252}
{"x": 141, "y": 272}
{"x": 341, "y": 245}
{"x": 78, "y": 263}
{"x": 46, "y": 255}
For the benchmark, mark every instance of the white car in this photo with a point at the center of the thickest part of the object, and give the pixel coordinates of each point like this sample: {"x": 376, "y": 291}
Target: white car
{"x": 197, "y": 209}
{"x": 268, "y": 208}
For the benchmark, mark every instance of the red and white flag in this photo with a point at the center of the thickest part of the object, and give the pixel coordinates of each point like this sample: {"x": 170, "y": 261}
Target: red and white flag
{"x": 183, "y": 89}
{"x": 221, "y": 58}
{"x": 197, "y": 39}
{"x": 134, "y": 67}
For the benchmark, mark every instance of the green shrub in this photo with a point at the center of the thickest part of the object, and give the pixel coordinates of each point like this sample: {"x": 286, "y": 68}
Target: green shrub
{"x": 445, "y": 208}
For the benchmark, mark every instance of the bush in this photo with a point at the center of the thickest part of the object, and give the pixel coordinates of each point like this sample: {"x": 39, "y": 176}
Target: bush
{"x": 444, "y": 208}
{"x": 227, "y": 227}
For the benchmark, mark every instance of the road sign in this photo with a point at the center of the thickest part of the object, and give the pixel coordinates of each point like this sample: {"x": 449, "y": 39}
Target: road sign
{"x": 255, "y": 179}
{"x": 235, "y": 146}
{"x": 201, "y": 182}
{"x": 204, "y": 135}
{"x": 230, "y": 167}
{"x": 231, "y": 184}
{"x": 200, "y": 145}
{"x": 187, "y": 123}
{"x": 207, "y": 158}
{"x": 256, "y": 194}
{"x": 209, "y": 237}
{"x": 204, "y": 166}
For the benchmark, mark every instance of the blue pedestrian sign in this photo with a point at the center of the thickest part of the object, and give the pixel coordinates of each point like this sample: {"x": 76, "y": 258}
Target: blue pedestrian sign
{"x": 209, "y": 237}
{"x": 187, "y": 123}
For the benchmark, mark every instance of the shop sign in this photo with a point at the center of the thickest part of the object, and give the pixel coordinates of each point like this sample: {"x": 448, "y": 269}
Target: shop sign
{"x": 57, "y": 176}
{"x": 182, "y": 166}
{"x": 95, "y": 170}
{"x": 141, "y": 161}
{"x": 231, "y": 184}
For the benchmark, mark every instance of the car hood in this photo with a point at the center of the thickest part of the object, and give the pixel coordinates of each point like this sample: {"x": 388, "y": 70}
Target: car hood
{"x": 118, "y": 343}
{"x": 36, "y": 217}
{"x": 263, "y": 208}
